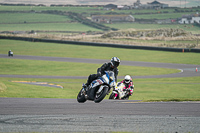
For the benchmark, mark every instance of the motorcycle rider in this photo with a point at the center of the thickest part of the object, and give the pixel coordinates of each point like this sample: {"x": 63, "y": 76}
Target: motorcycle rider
{"x": 10, "y": 53}
{"x": 128, "y": 85}
{"x": 110, "y": 66}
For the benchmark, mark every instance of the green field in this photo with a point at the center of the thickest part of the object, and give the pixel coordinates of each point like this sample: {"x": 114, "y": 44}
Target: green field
{"x": 45, "y": 8}
{"x": 161, "y": 16}
{"x": 32, "y": 67}
{"x": 47, "y": 27}
{"x": 31, "y": 17}
{"x": 41, "y": 22}
{"x": 67, "y": 50}
{"x": 187, "y": 88}
{"x": 14, "y": 21}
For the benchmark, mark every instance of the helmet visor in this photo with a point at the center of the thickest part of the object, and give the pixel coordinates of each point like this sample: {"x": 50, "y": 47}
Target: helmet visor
{"x": 127, "y": 81}
{"x": 116, "y": 64}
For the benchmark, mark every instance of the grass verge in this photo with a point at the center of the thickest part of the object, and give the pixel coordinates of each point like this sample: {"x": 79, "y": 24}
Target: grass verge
{"x": 78, "y": 51}
{"x": 164, "y": 89}
{"x": 36, "y": 67}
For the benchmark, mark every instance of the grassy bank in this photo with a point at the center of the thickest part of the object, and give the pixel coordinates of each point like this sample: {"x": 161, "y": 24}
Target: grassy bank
{"x": 187, "y": 27}
{"x": 33, "y": 67}
{"x": 68, "y": 50}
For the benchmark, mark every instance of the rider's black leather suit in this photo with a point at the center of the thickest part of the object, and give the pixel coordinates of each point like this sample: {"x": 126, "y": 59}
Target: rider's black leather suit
{"x": 100, "y": 71}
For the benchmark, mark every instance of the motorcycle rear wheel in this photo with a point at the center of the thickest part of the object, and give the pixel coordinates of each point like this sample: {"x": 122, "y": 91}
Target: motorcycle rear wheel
{"x": 81, "y": 97}
{"x": 100, "y": 96}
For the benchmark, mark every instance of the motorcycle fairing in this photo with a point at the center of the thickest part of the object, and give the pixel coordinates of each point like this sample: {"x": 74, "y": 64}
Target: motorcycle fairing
{"x": 104, "y": 79}
{"x": 96, "y": 83}
{"x": 119, "y": 89}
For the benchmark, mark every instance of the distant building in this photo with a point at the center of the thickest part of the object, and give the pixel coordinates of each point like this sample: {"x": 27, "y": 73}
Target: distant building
{"x": 157, "y": 5}
{"x": 112, "y": 18}
{"x": 110, "y": 7}
{"x": 124, "y": 7}
{"x": 153, "y": 5}
{"x": 137, "y": 4}
{"x": 190, "y": 19}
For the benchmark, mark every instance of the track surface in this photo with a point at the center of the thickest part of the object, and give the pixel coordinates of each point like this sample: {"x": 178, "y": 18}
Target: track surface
{"x": 67, "y": 115}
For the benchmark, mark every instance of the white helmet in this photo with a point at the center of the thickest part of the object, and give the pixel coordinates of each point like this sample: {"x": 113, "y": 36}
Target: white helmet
{"x": 127, "y": 79}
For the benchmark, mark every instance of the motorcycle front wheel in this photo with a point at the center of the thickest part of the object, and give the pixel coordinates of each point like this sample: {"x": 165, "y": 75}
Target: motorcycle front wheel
{"x": 81, "y": 97}
{"x": 125, "y": 98}
{"x": 100, "y": 96}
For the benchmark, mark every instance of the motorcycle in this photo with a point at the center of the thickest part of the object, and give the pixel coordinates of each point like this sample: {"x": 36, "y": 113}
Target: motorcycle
{"x": 119, "y": 93}
{"x": 98, "y": 89}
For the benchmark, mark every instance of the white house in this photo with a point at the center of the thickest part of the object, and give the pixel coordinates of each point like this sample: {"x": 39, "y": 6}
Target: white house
{"x": 190, "y": 19}
{"x": 112, "y": 18}
{"x": 195, "y": 19}
{"x": 184, "y": 21}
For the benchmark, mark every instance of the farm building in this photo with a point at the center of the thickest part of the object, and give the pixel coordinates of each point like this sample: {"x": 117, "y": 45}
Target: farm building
{"x": 137, "y": 4}
{"x": 190, "y": 19}
{"x": 110, "y": 7}
{"x": 155, "y": 5}
{"x": 112, "y": 18}
{"x": 152, "y": 5}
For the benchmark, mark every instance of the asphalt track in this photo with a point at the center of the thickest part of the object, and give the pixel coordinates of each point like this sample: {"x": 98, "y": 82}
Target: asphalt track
{"x": 67, "y": 115}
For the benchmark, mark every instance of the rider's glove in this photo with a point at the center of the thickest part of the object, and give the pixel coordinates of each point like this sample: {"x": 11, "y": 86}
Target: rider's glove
{"x": 132, "y": 87}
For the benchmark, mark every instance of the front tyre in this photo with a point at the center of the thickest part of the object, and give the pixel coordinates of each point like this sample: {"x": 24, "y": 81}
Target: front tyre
{"x": 81, "y": 97}
{"x": 126, "y": 97}
{"x": 100, "y": 96}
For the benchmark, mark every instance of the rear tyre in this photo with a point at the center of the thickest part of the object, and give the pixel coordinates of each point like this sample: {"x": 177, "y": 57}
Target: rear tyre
{"x": 100, "y": 96}
{"x": 81, "y": 97}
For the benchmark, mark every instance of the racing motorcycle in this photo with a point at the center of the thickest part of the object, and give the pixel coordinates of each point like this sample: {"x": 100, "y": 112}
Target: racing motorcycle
{"x": 119, "y": 91}
{"x": 98, "y": 89}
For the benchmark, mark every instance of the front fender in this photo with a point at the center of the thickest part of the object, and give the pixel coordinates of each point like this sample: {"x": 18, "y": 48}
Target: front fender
{"x": 116, "y": 92}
